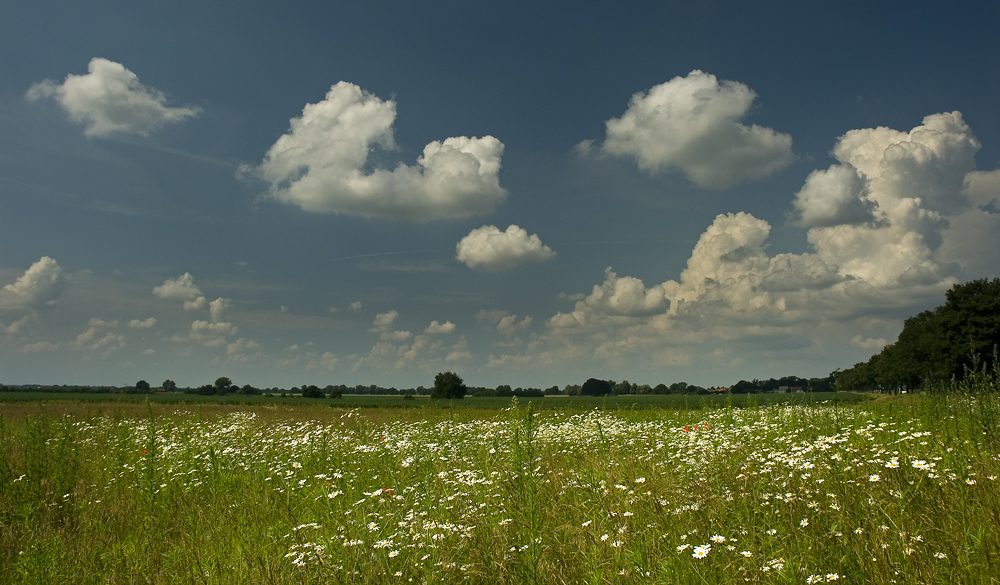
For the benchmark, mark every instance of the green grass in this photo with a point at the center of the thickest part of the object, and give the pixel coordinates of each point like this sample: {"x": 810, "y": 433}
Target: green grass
{"x": 898, "y": 490}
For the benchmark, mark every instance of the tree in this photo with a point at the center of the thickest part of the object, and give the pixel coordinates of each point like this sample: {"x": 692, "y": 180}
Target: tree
{"x": 936, "y": 345}
{"x": 142, "y": 386}
{"x": 448, "y": 385}
{"x": 169, "y": 385}
{"x": 595, "y": 387}
{"x": 312, "y": 391}
{"x": 222, "y": 385}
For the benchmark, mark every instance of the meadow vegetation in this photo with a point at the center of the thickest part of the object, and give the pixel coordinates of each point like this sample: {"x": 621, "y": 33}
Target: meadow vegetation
{"x": 899, "y": 489}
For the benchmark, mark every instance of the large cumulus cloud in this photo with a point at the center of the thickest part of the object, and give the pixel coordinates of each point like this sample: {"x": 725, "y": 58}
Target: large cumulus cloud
{"x": 321, "y": 165}
{"x": 110, "y": 99}
{"x": 693, "y": 124}
{"x": 897, "y": 220}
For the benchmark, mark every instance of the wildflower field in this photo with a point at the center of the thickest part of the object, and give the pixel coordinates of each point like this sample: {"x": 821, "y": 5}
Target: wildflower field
{"x": 892, "y": 490}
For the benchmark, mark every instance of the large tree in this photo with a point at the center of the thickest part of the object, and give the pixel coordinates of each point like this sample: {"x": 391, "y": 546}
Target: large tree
{"x": 595, "y": 387}
{"x": 939, "y": 344}
{"x": 223, "y": 385}
{"x": 448, "y": 385}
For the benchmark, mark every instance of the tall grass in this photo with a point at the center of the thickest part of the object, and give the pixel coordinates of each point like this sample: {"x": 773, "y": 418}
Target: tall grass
{"x": 902, "y": 490}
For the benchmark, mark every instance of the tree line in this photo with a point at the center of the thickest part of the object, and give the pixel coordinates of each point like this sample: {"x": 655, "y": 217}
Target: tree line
{"x": 942, "y": 344}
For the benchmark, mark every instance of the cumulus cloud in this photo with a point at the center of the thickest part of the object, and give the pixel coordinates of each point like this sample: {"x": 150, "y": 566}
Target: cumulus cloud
{"x": 897, "y": 220}
{"x": 211, "y": 334}
{"x": 436, "y": 328}
{"x": 835, "y": 196}
{"x": 490, "y": 249}
{"x": 182, "y": 289}
{"x": 40, "y": 346}
{"x": 383, "y": 326}
{"x": 218, "y": 307}
{"x": 39, "y": 286}
{"x": 142, "y": 324}
{"x": 97, "y": 337}
{"x": 509, "y": 325}
{"x": 972, "y": 239}
{"x": 109, "y": 99}
{"x": 693, "y": 124}
{"x": 243, "y": 351}
{"x": 322, "y": 165}
{"x": 459, "y": 352}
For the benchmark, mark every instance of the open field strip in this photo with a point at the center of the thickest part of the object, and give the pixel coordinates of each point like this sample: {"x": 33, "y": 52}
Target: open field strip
{"x": 894, "y": 491}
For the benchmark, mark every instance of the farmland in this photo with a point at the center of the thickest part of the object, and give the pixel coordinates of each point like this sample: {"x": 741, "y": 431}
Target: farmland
{"x": 900, "y": 489}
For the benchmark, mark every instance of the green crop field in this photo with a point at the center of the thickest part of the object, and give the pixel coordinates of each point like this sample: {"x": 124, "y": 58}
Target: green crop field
{"x": 483, "y": 490}
{"x": 681, "y": 402}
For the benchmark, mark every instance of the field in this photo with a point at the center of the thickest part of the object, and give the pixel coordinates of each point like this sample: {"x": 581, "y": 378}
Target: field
{"x": 893, "y": 490}
{"x": 684, "y": 402}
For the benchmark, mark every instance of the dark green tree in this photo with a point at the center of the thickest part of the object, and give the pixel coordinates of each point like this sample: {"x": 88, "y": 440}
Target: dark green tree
{"x": 312, "y": 391}
{"x": 595, "y": 387}
{"x": 448, "y": 385}
{"x": 142, "y": 386}
{"x": 936, "y": 345}
{"x": 169, "y": 385}
{"x": 223, "y": 385}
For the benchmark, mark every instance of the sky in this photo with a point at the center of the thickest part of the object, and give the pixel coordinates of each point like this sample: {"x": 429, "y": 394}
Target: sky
{"x": 524, "y": 193}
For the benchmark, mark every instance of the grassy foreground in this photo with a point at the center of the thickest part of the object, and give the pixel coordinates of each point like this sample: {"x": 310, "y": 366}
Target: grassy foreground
{"x": 892, "y": 491}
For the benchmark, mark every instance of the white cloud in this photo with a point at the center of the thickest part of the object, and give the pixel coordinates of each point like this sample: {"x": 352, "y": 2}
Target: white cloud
{"x": 459, "y": 352}
{"x": 321, "y": 165}
{"x": 182, "y": 289}
{"x": 93, "y": 340}
{"x": 39, "y": 286}
{"x": 491, "y": 318}
{"x": 16, "y": 325}
{"x": 355, "y": 306}
{"x": 692, "y": 124}
{"x": 835, "y": 196}
{"x": 626, "y": 296}
{"x": 40, "y": 346}
{"x": 211, "y": 334}
{"x": 243, "y": 351}
{"x": 868, "y": 342}
{"x": 383, "y": 326}
{"x": 218, "y": 307}
{"x": 142, "y": 324}
{"x": 109, "y": 99}
{"x": 900, "y": 218}
{"x": 327, "y": 361}
{"x": 436, "y": 328}
{"x": 489, "y": 248}
{"x": 509, "y": 325}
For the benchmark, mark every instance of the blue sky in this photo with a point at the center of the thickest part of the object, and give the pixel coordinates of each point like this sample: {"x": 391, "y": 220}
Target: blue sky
{"x": 523, "y": 193}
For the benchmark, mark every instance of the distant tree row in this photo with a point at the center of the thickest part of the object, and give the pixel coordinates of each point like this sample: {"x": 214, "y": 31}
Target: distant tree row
{"x": 787, "y": 383}
{"x": 936, "y": 345}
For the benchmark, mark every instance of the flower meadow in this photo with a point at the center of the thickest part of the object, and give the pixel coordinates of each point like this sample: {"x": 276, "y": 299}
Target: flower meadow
{"x": 901, "y": 490}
